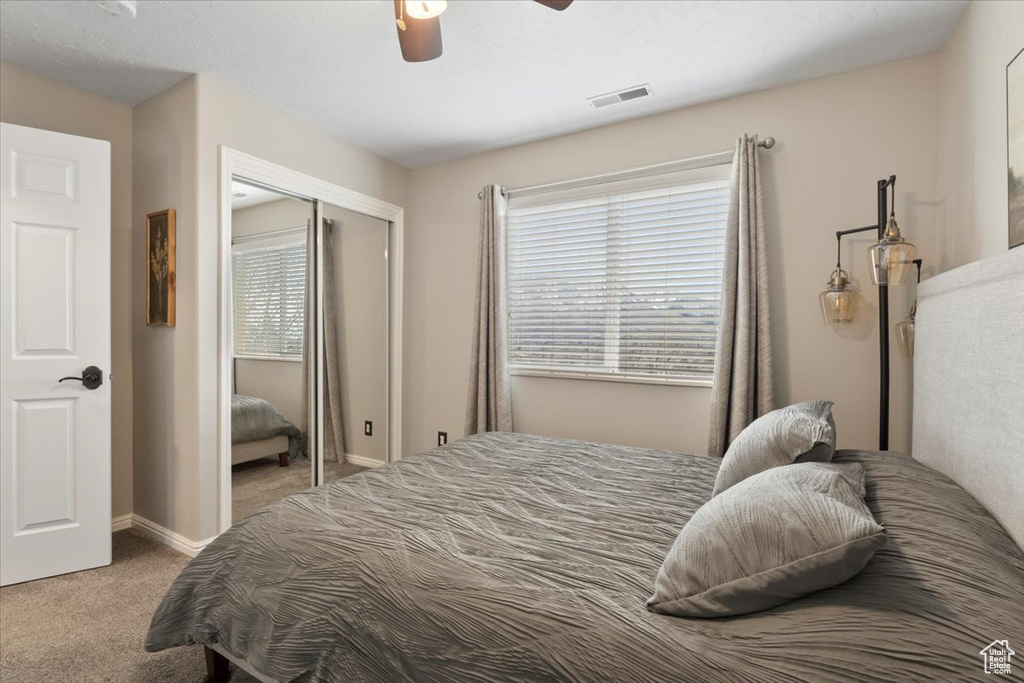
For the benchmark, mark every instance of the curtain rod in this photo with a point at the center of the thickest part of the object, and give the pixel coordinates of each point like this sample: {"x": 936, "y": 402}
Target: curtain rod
{"x": 767, "y": 143}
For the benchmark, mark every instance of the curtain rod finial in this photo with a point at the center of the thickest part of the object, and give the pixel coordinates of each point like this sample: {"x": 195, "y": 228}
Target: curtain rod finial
{"x": 767, "y": 143}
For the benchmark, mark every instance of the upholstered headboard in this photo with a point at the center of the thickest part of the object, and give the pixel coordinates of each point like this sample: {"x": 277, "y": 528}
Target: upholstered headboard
{"x": 969, "y": 382}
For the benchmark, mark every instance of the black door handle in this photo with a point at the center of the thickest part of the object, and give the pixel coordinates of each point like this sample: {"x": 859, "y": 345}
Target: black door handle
{"x": 92, "y": 377}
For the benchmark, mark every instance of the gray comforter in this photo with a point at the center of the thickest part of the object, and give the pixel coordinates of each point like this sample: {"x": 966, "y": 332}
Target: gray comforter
{"x": 255, "y": 419}
{"x": 507, "y": 557}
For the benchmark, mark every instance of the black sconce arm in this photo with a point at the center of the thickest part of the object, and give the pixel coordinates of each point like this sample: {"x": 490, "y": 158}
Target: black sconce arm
{"x": 840, "y": 233}
{"x": 839, "y": 239}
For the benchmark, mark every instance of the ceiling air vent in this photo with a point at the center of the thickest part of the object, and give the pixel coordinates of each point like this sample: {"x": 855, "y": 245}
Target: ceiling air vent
{"x": 633, "y": 93}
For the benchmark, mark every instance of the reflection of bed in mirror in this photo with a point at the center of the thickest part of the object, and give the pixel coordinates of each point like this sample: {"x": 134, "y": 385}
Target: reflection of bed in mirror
{"x": 287, "y": 264}
{"x": 259, "y": 430}
{"x": 254, "y": 450}
{"x": 269, "y": 458}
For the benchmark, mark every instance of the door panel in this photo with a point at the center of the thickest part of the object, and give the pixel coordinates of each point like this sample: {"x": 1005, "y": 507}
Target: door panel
{"x": 43, "y": 321}
{"x": 44, "y": 177}
{"x": 55, "y": 314}
{"x": 44, "y": 426}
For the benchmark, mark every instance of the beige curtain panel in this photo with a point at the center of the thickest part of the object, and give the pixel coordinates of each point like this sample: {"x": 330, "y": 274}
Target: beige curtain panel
{"x": 743, "y": 386}
{"x": 489, "y": 405}
{"x": 330, "y": 412}
{"x": 309, "y": 344}
{"x": 334, "y": 435}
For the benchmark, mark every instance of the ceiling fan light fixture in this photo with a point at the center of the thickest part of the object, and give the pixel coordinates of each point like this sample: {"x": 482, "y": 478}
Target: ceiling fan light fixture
{"x": 425, "y": 9}
{"x": 419, "y": 39}
{"x": 557, "y": 5}
{"x": 126, "y": 9}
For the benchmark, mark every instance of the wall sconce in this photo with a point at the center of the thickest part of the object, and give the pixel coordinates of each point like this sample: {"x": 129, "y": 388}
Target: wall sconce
{"x": 838, "y": 302}
{"x": 892, "y": 255}
{"x": 891, "y": 258}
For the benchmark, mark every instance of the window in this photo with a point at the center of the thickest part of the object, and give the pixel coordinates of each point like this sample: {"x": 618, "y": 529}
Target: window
{"x": 270, "y": 296}
{"x": 620, "y": 280}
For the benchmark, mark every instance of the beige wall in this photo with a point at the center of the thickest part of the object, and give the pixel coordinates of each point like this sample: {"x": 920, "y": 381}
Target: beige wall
{"x": 30, "y": 100}
{"x": 277, "y": 381}
{"x": 360, "y": 308}
{"x": 244, "y": 124}
{"x": 281, "y": 214}
{"x": 166, "y": 370}
{"x": 972, "y": 187}
{"x": 837, "y": 136}
{"x": 178, "y": 135}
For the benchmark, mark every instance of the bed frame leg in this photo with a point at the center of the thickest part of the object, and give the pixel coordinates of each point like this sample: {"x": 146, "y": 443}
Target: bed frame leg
{"x": 283, "y": 458}
{"x": 216, "y": 667}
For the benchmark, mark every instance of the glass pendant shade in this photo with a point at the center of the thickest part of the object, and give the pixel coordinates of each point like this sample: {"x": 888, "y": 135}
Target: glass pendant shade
{"x": 891, "y": 257}
{"x": 905, "y": 335}
{"x": 838, "y": 302}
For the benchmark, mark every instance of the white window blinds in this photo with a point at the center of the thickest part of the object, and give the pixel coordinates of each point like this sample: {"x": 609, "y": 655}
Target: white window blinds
{"x": 269, "y": 297}
{"x": 622, "y": 279}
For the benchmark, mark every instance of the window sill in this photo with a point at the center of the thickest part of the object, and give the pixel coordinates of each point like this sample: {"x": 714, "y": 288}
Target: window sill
{"x": 283, "y": 359}
{"x": 605, "y": 377}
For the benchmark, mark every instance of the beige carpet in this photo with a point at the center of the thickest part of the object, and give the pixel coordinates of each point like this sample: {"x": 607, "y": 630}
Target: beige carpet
{"x": 258, "y": 483}
{"x": 90, "y": 627}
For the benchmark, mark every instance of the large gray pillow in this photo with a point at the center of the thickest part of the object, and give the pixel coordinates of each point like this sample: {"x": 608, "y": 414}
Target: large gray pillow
{"x": 772, "y": 538}
{"x": 803, "y": 432}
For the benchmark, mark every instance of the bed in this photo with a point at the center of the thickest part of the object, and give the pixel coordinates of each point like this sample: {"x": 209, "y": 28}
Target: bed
{"x": 509, "y": 557}
{"x": 259, "y": 430}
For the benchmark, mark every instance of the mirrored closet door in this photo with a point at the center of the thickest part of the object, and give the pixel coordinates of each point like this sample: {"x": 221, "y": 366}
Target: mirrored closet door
{"x": 353, "y": 390}
{"x": 270, "y": 421}
{"x": 309, "y": 319}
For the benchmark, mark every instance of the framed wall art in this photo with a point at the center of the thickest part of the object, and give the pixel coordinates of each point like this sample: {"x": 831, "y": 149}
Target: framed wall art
{"x": 160, "y": 285}
{"x": 1015, "y": 148}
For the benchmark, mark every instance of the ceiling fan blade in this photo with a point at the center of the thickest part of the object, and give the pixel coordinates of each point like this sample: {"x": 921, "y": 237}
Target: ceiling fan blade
{"x": 421, "y": 39}
{"x": 555, "y": 4}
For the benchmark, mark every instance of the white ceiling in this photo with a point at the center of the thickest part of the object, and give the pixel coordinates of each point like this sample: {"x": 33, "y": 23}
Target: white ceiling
{"x": 512, "y": 70}
{"x": 244, "y": 195}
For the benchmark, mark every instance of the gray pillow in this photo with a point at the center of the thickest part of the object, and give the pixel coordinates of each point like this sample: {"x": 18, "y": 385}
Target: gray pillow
{"x": 803, "y": 432}
{"x": 772, "y": 538}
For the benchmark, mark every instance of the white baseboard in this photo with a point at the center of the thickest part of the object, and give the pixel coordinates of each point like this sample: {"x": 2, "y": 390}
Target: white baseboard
{"x": 121, "y": 522}
{"x": 363, "y": 461}
{"x": 160, "y": 534}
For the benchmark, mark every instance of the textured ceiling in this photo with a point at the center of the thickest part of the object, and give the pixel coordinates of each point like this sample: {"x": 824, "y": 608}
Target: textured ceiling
{"x": 512, "y": 70}
{"x": 244, "y": 195}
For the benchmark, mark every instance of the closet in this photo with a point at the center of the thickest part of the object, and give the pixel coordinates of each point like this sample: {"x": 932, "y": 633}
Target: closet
{"x": 311, "y": 353}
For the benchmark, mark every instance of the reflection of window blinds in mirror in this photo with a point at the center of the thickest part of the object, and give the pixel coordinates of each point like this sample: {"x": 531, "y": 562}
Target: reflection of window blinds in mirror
{"x": 269, "y": 299}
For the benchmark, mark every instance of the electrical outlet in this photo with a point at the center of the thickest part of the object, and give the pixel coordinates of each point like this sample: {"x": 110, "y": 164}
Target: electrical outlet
{"x": 368, "y": 428}
{"x": 442, "y": 438}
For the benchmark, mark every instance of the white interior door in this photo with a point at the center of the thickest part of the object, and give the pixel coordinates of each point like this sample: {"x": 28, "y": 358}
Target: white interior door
{"x": 55, "y": 314}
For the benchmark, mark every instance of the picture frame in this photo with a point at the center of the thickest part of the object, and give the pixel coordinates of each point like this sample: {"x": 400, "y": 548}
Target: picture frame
{"x": 1015, "y": 150}
{"x": 160, "y": 268}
